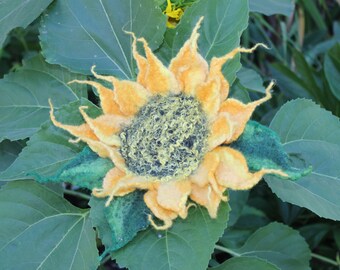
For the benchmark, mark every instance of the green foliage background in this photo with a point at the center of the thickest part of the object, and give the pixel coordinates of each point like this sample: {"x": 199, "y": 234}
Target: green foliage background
{"x": 277, "y": 225}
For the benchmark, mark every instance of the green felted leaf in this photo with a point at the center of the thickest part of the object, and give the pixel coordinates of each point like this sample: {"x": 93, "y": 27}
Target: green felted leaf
{"x": 25, "y": 93}
{"x": 262, "y": 149}
{"x": 223, "y": 24}
{"x": 271, "y": 7}
{"x": 41, "y": 230}
{"x": 245, "y": 263}
{"x": 49, "y": 148}
{"x": 279, "y": 245}
{"x": 311, "y": 136}
{"x": 93, "y": 34}
{"x": 119, "y": 223}
{"x": 86, "y": 170}
{"x": 18, "y": 13}
{"x": 188, "y": 244}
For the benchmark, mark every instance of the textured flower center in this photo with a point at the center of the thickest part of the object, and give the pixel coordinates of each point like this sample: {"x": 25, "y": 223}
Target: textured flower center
{"x": 166, "y": 139}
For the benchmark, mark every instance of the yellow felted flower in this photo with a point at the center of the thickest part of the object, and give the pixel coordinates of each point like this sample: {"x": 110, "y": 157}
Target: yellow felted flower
{"x": 164, "y": 133}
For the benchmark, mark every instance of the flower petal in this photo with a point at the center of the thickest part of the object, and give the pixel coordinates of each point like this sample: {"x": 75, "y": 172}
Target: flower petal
{"x": 216, "y": 65}
{"x": 189, "y": 67}
{"x": 208, "y": 94}
{"x": 152, "y": 74}
{"x": 240, "y": 113}
{"x": 173, "y": 195}
{"x": 232, "y": 171}
{"x": 221, "y": 130}
{"x": 106, "y": 95}
{"x": 130, "y": 96}
{"x": 106, "y": 126}
{"x": 206, "y": 197}
{"x": 163, "y": 214}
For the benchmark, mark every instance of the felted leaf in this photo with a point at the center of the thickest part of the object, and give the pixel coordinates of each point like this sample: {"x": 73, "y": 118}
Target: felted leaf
{"x": 86, "y": 170}
{"x": 93, "y": 34}
{"x": 119, "y": 223}
{"x": 41, "y": 230}
{"x": 311, "y": 135}
{"x": 25, "y": 93}
{"x": 18, "y": 13}
{"x": 218, "y": 35}
{"x": 49, "y": 148}
{"x": 262, "y": 149}
{"x": 188, "y": 244}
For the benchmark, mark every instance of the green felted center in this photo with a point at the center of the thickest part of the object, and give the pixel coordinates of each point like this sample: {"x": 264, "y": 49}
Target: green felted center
{"x": 166, "y": 139}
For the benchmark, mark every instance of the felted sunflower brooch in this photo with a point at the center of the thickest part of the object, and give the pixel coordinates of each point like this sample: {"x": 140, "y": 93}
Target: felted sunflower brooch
{"x": 168, "y": 133}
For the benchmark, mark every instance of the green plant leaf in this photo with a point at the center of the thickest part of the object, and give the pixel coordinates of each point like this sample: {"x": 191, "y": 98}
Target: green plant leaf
{"x": 187, "y": 245}
{"x": 25, "y": 93}
{"x": 49, "y": 148}
{"x": 119, "y": 223}
{"x": 332, "y": 69}
{"x": 9, "y": 151}
{"x": 302, "y": 119}
{"x": 18, "y": 13}
{"x": 86, "y": 170}
{"x": 224, "y": 22}
{"x": 311, "y": 136}
{"x": 271, "y": 7}
{"x": 237, "y": 201}
{"x": 245, "y": 263}
{"x": 251, "y": 80}
{"x": 279, "y": 245}
{"x": 262, "y": 149}
{"x": 93, "y": 34}
{"x": 35, "y": 216}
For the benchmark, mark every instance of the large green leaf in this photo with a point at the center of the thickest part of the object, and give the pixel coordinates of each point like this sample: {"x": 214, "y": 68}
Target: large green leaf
{"x": 251, "y": 80}
{"x": 279, "y": 245}
{"x": 224, "y": 22}
{"x": 311, "y": 136}
{"x": 271, "y": 7}
{"x": 187, "y": 245}
{"x": 245, "y": 263}
{"x": 119, "y": 223}
{"x": 9, "y": 151}
{"x": 49, "y": 148}
{"x": 332, "y": 69}
{"x": 18, "y": 13}
{"x": 80, "y": 33}
{"x": 41, "y": 230}
{"x": 25, "y": 93}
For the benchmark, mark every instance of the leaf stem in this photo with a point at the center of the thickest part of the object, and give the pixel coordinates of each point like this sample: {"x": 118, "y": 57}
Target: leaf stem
{"x": 227, "y": 250}
{"x": 77, "y": 194}
{"x": 325, "y": 259}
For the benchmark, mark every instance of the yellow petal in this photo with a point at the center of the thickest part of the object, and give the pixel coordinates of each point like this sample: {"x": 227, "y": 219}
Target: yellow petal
{"x": 130, "y": 96}
{"x": 208, "y": 94}
{"x": 189, "y": 67}
{"x": 163, "y": 214}
{"x": 240, "y": 113}
{"x": 106, "y": 126}
{"x": 152, "y": 74}
{"x": 107, "y": 102}
{"x": 206, "y": 197}
{"x": 173, "y": 195}
{"x": 217, "y": 63}
{"x": 221, "y": 130}
{"x": 232, "y": 171}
